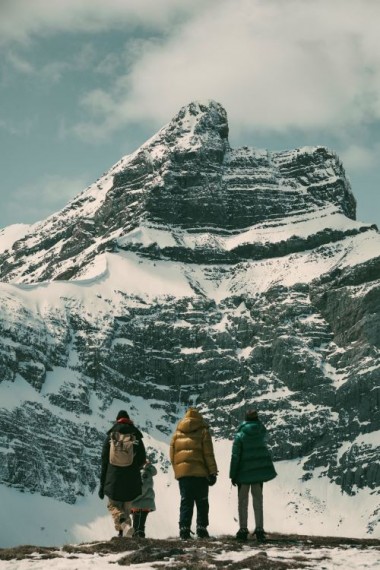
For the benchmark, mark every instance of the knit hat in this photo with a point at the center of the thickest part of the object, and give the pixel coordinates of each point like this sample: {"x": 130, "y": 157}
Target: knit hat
{"x": 251, "y": 416}
{"x": 122, "y": 414}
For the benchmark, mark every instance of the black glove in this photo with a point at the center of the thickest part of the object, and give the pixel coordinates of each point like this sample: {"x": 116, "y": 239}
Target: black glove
{"x": 211, "y": 479}
{"x": 233, "y": 482}
{"x": 101, "y": 493}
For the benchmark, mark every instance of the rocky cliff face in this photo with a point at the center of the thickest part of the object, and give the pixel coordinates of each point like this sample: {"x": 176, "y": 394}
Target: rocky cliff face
{"x": 193, "y": 273}
{"x": 188, "y": 182}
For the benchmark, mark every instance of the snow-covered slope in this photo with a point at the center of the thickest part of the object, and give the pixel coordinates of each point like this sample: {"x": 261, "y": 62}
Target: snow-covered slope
{"x": 193, "y": 273}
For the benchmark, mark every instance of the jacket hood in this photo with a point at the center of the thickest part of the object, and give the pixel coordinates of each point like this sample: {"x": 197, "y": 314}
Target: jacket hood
{"x": 148, "y": 469}
{"x": 191, "y": 422}
{"x": 251, "y": 427}
{"x": 126, "y": 427}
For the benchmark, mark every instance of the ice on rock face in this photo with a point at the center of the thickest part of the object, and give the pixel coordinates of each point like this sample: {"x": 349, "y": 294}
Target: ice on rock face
{"x": 194, "y": 273}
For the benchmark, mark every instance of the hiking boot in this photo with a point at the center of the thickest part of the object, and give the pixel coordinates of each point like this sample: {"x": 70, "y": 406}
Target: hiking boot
{"x": 121, "y": 526}
{"x": 260, "y": 535}
{"x": 184, "y": 532}
{"x": 129, "y": 532}
{"x": 242, "y": 534}
{"x": 202, "y": 532}
{"x": 139, "y": 534}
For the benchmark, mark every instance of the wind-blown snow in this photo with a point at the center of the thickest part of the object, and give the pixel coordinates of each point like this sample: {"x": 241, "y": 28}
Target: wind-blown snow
{"x": 111, "y": 274}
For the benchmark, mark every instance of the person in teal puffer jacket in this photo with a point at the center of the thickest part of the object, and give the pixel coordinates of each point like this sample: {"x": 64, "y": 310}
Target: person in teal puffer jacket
{"x": 251, "y": 466}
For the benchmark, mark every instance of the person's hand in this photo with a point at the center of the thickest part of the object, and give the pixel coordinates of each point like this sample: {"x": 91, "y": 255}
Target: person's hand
{"x": 211, "y": 479}
{"x": 233, "y": 482}
{"x": 101, "y": 493}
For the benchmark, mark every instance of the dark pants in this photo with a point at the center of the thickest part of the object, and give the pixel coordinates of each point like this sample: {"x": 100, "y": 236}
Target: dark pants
{"x": 193, "y": 490}
{"x": 257, "y": 500}
{"x": 139, "y": 520}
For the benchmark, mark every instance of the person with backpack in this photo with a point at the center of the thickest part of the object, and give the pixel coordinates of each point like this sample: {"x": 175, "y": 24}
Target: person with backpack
{"x": 123, "y": 455}
{"x": 144, "y": 503}
{"x": 251, "y": 465}
{"x": 193, "y": 461}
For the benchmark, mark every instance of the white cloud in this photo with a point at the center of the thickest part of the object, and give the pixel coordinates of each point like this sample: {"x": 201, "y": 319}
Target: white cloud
{"x": 20, "y": 64}
{"x": 54, "y": 70}
{"x": 109, "y": 64}
{"x": 18, "y": 128}
{"x": 356, "y": 158}
{"x": 21, "y": 20}
{"x": 35, "y": 201}
{"x": 274, "y": 65}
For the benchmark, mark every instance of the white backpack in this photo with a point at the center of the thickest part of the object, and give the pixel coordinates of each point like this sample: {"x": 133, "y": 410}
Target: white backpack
{"x": 121, "y": 448}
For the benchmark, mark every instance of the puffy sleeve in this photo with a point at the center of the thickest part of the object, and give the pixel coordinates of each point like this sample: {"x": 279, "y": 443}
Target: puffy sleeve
{"x": 141, "y": 453}
{"x": 104, "y": 461}
{"x": 172, "y": 449}
{"x": 235, "y": 457}
{"x": 208, "y": 453}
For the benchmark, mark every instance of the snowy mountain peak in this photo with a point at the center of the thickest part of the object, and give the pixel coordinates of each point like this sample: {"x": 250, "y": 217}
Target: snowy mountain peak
{"x": 186, "y": 178}
{"x": 200, "y": 116}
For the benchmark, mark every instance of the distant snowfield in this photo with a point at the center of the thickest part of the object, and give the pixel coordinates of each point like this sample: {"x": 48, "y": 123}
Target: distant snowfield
{"x": 301, "y": 225}
{"x": 128, "y": 273}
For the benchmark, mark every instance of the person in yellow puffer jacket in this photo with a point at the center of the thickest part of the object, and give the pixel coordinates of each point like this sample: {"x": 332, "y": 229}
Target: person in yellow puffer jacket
{"x": 193, "y": 461}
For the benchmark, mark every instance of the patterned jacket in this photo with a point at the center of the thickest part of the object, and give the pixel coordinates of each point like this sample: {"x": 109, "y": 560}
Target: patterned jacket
{"x": 145, "y": 501}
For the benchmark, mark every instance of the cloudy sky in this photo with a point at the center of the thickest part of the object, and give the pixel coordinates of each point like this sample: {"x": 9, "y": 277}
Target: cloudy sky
{"x": 84, "y": 82}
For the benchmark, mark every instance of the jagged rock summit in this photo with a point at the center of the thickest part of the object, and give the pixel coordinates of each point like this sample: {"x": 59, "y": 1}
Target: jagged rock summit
{"x": 194, "y": 273}
{"x": 186, "y": 192}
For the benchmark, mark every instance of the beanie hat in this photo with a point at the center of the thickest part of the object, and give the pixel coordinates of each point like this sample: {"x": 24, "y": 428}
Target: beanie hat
{"x": 122, "y": 414}
{"x": 251, "y": 416}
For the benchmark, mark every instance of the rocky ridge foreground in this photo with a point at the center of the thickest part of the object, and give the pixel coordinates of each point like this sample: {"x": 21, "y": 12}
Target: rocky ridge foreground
{"x": 193, "y": 273}
{"x": 281, "y": 552}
